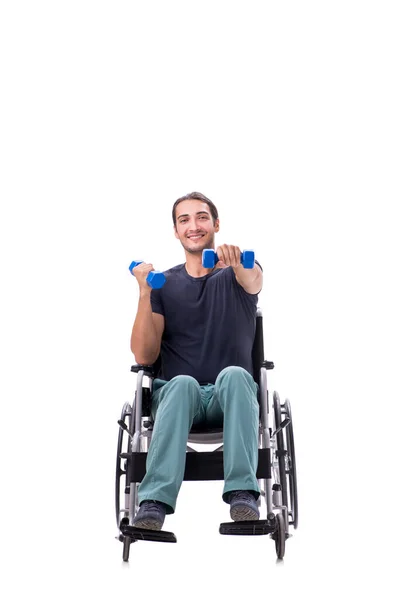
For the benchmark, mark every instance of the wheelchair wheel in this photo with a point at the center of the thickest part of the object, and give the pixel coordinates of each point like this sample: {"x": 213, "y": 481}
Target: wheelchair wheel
{"x": 292, "y": 467}
{"x": 121, "y": 468}
{"x": 280, "y": 536}
{"x": 280, "y": 449}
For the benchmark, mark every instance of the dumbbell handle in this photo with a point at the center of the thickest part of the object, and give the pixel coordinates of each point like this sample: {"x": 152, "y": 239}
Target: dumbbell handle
{"x": 210, "y": 258}
{"x": 155, "y": 279}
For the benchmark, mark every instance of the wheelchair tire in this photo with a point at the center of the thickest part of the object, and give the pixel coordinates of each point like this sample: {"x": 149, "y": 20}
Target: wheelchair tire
{"x": 281, "y": 449}
{"x": 280, "y": 536}
{"x": 126, "y": 411}
{"x": 292, "y": 467}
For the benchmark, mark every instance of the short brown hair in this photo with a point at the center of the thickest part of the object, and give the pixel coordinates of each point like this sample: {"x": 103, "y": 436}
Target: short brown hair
{"x": 195, "y": 196}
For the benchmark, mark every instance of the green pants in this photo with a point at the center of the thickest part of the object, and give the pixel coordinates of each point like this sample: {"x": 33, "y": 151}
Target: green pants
{"x": 181, "y": 403}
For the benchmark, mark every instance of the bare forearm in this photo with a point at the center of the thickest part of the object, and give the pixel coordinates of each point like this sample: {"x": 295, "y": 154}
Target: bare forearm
{"x": 144, "y": 344}
{"x": 250, "y": 279}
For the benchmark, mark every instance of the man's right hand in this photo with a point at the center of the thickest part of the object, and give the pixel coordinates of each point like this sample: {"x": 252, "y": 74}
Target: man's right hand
{"x": 141, "y": 272}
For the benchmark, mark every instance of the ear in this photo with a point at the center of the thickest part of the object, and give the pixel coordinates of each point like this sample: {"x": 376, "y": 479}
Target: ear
{"x": 176, "y": 233}
{"x": 216, "y": 226}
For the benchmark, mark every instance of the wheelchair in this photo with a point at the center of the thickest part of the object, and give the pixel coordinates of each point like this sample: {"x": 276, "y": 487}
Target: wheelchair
{"x": 276, "y": 471}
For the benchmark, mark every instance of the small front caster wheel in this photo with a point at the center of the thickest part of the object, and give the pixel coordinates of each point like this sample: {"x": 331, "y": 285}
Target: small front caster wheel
{"x": 127, "y": 544}
{"x": 279, "y": 535}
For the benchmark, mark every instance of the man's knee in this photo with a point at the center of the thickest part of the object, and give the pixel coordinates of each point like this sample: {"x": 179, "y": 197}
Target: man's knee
{"x": 186, "y": 381}
{"x": 180, "y": 391}
{"x": 234, "y": 372}
{"x": 182, "y": 388}
{"x": 240, "y": 379}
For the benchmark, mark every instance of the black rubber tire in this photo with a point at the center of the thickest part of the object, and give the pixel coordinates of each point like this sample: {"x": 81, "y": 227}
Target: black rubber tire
{"x": 292, "y": 467}
{"x": 280, "y": 536}
{"x": 280, "y": 443}
{"x": 127, "y": 545}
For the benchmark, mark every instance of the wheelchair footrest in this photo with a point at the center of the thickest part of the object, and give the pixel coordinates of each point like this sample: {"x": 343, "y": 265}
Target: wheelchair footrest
{"x": 260, "y": 527}
{"x": 150, "y": 535}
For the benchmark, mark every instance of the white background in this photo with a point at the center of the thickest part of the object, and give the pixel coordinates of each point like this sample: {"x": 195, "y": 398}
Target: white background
{"x": 286, "y": 115}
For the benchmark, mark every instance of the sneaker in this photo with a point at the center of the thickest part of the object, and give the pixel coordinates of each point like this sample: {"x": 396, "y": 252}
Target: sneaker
{"x": 243, "y": 506}
{"x": 151, "y": 515}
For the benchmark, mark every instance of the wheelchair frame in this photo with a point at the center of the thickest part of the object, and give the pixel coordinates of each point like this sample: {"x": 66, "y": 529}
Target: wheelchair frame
{"x": 276, "y": 472}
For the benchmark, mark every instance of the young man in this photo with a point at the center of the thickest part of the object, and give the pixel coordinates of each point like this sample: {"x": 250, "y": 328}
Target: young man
{"x": 203, "y": 323}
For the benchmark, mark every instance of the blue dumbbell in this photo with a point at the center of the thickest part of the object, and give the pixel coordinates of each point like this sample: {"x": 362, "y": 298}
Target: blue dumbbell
{"x": 155, "y": 279}
{"x": 210, "y": 259}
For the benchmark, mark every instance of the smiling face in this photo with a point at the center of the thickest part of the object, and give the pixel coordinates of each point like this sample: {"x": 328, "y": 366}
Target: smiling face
{"x": 194, "y": 226}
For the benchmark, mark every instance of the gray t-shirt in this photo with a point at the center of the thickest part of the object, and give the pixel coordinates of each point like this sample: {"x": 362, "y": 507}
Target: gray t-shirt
{"x": 210, "y": 324}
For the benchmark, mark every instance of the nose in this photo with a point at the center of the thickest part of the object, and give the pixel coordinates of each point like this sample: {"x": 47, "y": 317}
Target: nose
{"x": 193, "y": 226}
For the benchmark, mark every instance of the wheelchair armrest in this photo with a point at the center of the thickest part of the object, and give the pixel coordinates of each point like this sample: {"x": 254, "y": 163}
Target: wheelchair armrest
{"x": 149, "y": 370}
{"x": 267, "y": 364}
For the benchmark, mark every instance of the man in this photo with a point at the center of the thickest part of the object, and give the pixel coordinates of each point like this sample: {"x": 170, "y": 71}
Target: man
{"x": 203, "y": 323}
